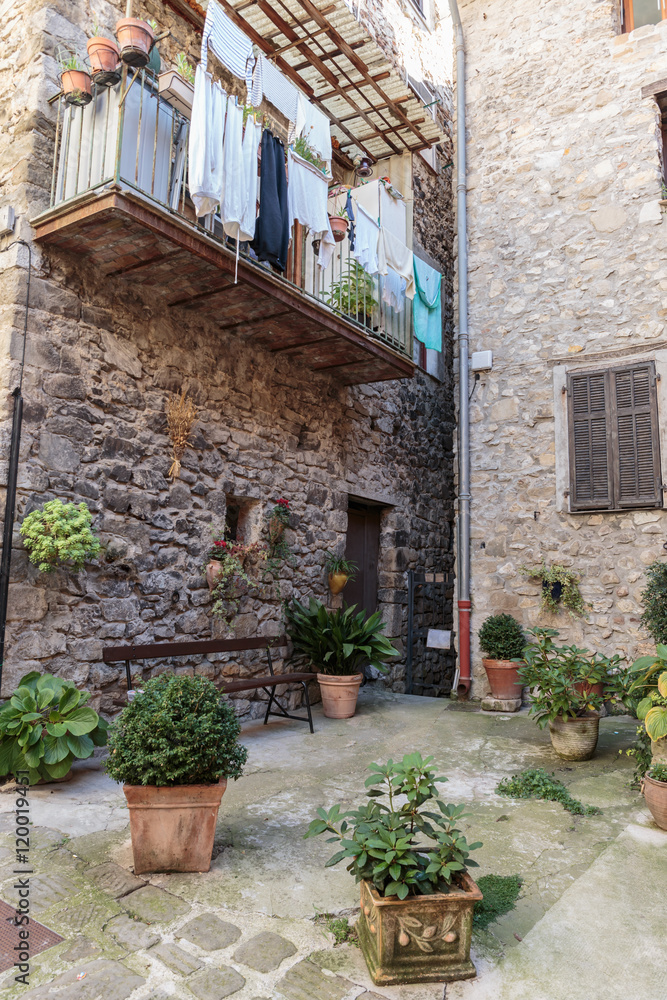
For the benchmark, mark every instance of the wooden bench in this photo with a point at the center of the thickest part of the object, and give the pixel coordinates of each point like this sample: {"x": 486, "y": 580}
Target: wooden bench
{"x": 159, "y": 650}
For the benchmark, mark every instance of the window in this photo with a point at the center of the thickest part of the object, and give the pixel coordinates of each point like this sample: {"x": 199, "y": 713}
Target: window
{"x": 419, "y": 4}
{"x": 637, "y": 13}
{"x": 613, "y": 438}
{"x": 242, "y": 519}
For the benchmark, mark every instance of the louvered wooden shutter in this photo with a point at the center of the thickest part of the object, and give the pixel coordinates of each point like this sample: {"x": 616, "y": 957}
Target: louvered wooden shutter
{"x": 635, "y": 429}
{"x": 590, "y": 459}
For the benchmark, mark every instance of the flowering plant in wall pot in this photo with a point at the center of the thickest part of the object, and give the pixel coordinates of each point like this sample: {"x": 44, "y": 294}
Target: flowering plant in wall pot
{"x": 560, "y": 588}
{"x": 226, "y": 574}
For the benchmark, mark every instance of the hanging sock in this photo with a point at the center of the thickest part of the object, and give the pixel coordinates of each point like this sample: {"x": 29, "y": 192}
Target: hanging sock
{"x": 271, "y": 239}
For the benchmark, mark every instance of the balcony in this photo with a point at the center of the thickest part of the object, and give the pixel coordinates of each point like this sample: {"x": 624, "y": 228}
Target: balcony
{"x": 120, "y": 198}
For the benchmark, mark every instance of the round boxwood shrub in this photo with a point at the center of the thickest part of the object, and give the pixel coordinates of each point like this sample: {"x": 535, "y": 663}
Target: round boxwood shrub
{"x": 179, "y": 731}
{"x": 654, "y": 599}
{"x": 501, "y": 638}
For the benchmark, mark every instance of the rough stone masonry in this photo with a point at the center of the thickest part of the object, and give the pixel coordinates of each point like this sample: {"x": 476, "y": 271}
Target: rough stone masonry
{"x": 102, "y": 360}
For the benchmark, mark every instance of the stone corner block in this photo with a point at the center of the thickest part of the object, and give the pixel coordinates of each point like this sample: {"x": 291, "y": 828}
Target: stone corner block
{"x": 264, "y": 952}
{"x": 501, "y": 704}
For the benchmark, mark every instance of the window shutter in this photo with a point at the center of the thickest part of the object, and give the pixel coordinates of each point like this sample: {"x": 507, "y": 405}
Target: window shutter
{"x": 635, "y": 420}
{"x": 590, "y": 463}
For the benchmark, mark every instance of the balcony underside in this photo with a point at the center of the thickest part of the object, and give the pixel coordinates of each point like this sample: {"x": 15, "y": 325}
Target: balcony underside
{"x": 129, "y": 238}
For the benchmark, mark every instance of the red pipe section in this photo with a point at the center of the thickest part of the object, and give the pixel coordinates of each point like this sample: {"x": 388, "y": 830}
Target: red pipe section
{"x": 463, "y": 688}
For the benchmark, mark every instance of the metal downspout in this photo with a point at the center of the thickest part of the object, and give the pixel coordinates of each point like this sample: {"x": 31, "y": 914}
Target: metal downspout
{"x": 463, "y": 535}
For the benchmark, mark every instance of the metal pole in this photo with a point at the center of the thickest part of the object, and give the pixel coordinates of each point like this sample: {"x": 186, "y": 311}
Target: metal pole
{"x": 12, "y": 473}
{"x": 463, "y": 554}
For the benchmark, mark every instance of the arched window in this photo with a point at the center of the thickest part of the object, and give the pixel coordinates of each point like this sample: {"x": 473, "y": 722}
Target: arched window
{"x": 637, "y": 13}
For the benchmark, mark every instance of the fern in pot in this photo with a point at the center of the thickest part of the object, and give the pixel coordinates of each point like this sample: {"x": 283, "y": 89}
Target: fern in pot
{"x": 339, "y": 644}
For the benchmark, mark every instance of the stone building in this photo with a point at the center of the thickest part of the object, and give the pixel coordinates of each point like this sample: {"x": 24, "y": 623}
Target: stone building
{"x": 568, "y": 289}
{"x": 131, "y": 302}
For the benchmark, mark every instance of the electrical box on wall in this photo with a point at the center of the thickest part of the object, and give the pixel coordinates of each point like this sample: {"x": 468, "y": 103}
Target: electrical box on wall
{"x": 481, "y": 361}
{"x": 7, "y": 220}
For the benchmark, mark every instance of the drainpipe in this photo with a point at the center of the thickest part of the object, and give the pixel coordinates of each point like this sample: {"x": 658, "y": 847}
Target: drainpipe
{"x": 463, "y": 548}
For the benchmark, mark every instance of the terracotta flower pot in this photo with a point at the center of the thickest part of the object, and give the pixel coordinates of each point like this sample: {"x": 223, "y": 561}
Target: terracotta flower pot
{"x": 655, "y": 796}
{"x": 276, "y": 530}
{"x": 213, "y": 573}
{"x": 135, "y": 38}
{"x": 504, "y": 679}
{"x": 575, "y": 739}
{"x": 173, "y": 828}
{"x": 587, "y": 689}
{"x": 339, "y": 694}
{"x": 337, "y": 581}
{"x": 77, "y": 87}
{"x": 103, "y": 54}
{"x": 338, "y": 227}
{"x": 421, "y": 939}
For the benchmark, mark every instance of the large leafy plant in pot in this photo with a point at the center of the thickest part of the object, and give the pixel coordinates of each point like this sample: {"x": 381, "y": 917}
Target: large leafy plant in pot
{"x": 174, "y": 747}
{"x": 406, "y": 849}
{"x": 648, "y": 676}
{"x": 562, "y": 693}
{"x": 502, "y": 639}
{"x": 339, "y": 644}
{"x": 45, "y": 726}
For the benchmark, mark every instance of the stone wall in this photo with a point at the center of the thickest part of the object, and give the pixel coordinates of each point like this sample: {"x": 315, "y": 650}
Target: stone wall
{"x": 567, "y": 269}
{"x": 103, "y": 359}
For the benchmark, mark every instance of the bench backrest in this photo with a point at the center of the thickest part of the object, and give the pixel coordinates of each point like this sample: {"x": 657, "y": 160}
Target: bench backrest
{"x": 155, "y": 650}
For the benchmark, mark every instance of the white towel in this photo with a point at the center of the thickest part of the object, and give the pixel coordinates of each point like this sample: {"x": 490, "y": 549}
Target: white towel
{"x": 393, "y": 290}
{"x": 366, "y": 235}
{"x": 393, "y": 253}
{"x": 231, "y": 46}
{"x": 317, "y": 131}
{"x": 307, "y": 191}
{"x": 279, "y": 90}
{"x": 205, "y": 151}
{"x": 232, "y": 201}
{"x": 251, "y": 140}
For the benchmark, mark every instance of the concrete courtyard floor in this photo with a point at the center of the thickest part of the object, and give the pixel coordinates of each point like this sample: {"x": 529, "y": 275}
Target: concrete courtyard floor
{"x": 589, "y": 924}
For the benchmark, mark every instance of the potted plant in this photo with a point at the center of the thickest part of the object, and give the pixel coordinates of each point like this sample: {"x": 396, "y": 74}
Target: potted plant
{"x": 174, "y": 748}
{"x": 340, "y": 224}
{"x": 226, "y": 575}
{"x": 553, "y": 673}
{"x": 502, "y": 639}
{"x": 560, "y": 588}
{"x": 75, "y": 81}
{"x": 339, "y": 571}
{"x": 654, "y": 790}
{"x": 353, "y": 294}
{"x": 104, "y": 58}
{"x": 654, "y": 599}
{"x": 135, "y": 38}
{"x": 338, "y": 644}
{"x": 59, "y": 534}
{"x": 278, "y": 521}
{"x": 406, "y": 850}
{"x": 45, "y": 726}
{"x": 649, "y": 675}
{"x": 178, "y": 85}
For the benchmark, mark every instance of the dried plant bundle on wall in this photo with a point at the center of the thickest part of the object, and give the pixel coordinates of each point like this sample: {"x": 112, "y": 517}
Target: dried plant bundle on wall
{"x": 181, "y": 418}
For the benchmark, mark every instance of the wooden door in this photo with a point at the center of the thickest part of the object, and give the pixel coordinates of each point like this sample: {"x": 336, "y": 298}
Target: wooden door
{"x": 363, "y": 545}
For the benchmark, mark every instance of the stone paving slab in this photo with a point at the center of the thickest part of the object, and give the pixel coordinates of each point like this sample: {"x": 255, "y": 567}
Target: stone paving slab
{"x": 216, "y": 984}
{"x": 209, "y": 933}
{"x": 45, "y": 891}
{"x": 176, "y": 959}
{"x": 133, "y": 935}
{"x": 75, "y": 919}
{"x": 80, "y": 948}
{"x": 305, "y": 981}
{"x": 155, "y": 905}
{"x": 102, "y": 980}
{"x": 113, "y": 879}
{"x": 264, "y": 952}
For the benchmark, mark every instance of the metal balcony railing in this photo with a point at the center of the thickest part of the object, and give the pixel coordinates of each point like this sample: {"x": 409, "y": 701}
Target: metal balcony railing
{"x": 133, "y": 138}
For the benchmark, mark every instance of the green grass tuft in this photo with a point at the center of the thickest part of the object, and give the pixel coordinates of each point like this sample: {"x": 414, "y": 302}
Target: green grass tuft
{"x": 500, "y": 895}
{"x": 535, "y": 783}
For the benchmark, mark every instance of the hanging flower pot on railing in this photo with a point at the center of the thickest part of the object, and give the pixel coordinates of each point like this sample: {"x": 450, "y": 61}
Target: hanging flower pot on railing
{"x": 339, "y": 226}
{"x": 135, "y": 38}
{"x": 77, "y": 87}
{"x": 104, "y": 61}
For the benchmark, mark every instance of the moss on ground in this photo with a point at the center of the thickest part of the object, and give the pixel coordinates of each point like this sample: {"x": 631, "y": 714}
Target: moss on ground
{"x": 500, "y": 895}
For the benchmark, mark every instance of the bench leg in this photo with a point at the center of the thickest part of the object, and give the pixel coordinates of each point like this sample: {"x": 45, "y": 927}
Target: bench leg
{"x": 306, "y": 696}
{"x": 268, "y": 709}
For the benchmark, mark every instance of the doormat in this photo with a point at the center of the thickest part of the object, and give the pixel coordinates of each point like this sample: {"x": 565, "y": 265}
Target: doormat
{"x": 40, "y": 938}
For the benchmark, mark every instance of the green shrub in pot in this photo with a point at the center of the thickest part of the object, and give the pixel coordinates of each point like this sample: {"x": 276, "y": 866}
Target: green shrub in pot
{"x": 45, "y": 726}
{"x": 501, "y": 637}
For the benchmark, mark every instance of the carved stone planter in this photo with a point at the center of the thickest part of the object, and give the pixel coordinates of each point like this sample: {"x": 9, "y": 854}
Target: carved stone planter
{"x": 421, "y": 939}
{"x": 575, "y": 739}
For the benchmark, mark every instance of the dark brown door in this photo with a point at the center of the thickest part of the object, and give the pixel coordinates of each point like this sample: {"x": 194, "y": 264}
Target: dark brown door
{"x": 363, "y": 543}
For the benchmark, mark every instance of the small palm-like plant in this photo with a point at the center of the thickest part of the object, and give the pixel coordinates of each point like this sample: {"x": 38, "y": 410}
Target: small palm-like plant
{"x": 338, "y": 642}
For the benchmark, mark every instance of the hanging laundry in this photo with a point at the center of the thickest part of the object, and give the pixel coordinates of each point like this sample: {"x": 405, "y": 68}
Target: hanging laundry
{"x": 232, "y": 202}
{"x": 393, "y": 290}
{"x": 426, "y": 306}
{"x": 393, "y": 253}
{"x": 367, "y": 233}
{"x": 281, "y": 93}
{"x": 205, "y": 151}
{"x": 251, "y": 139}
{"x": 350, "y": 214}
{"x": 231, "y": 46}
{"x": 317, "y": 131}
{"x": 272, "y": 227}
{"x": 307, "y": 191}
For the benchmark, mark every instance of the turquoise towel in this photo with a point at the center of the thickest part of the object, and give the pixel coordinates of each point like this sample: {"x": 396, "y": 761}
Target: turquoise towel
{"x": 426, "y": 308}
